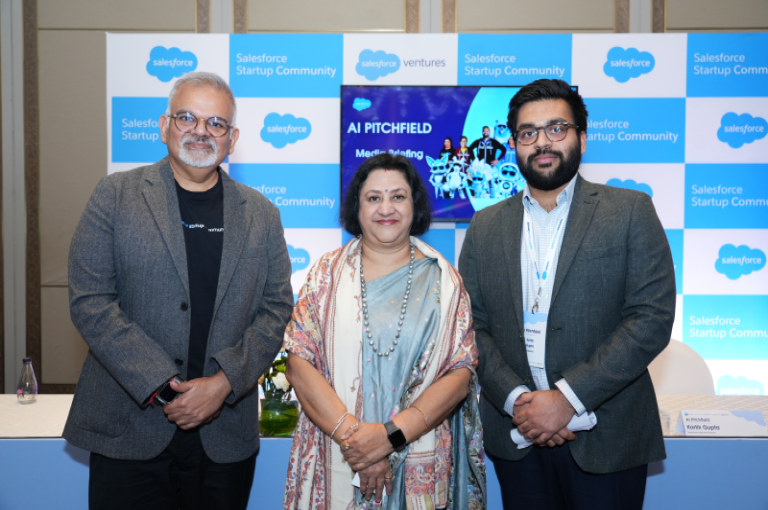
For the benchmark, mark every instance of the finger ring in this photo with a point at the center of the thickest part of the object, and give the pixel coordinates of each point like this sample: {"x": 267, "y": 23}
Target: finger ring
{"x": 345, "y": 445}
{"x": 391, "y": 476}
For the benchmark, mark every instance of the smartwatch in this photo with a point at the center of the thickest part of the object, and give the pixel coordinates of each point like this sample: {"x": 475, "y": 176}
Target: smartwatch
{"x": 166, "y": 394}
{"x": 395, "y": 436}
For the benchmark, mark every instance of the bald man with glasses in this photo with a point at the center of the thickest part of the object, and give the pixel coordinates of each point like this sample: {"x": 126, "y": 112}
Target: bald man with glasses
{"x": 179, "y": 282}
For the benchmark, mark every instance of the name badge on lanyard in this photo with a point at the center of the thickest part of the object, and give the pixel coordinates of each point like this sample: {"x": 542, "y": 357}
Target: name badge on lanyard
{"x": 535, "y": 322}
{"x": 535, "y": 337}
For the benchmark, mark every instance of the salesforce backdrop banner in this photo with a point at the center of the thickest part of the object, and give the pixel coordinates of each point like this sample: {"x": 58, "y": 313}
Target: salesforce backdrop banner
{"x": 681, "y": 117}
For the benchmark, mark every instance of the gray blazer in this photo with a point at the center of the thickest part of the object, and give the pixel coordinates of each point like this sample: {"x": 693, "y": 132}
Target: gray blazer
{"x": 612, "y": 310}
{"x": 127, "y": 281}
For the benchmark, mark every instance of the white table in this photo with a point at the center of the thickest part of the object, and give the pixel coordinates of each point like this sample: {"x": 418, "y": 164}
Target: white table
{"x": 44, "y": 418}
{"x": 699, "y": 473}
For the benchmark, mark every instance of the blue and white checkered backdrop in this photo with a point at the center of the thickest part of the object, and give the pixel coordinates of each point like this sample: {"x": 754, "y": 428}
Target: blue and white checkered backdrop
{"x": 681, "y": 117}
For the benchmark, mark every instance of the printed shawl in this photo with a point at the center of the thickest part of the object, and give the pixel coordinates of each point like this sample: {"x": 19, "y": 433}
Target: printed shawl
{"x": 326, "y": 330}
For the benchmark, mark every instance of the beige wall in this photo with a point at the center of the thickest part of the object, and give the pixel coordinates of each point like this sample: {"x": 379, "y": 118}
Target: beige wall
{"x": 73, "y": 142}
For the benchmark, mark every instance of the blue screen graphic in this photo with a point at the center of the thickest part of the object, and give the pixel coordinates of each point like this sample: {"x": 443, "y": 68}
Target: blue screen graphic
{"x": 415, "y": 122}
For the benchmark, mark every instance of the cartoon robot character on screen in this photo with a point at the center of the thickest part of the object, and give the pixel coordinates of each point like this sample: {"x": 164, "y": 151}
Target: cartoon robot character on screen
{"x": 447, "y": 176}
{"x": 509, "y": 180}
{"x": 501, "y": 132}
{"x": 481, "y": 175}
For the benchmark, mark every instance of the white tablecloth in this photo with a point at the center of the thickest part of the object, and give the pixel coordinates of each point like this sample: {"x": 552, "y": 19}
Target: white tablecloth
{"x": 44, "y": 418}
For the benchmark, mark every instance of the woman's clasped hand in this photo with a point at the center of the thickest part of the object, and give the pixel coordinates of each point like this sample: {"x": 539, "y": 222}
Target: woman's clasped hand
{"x": 366, "y": 449}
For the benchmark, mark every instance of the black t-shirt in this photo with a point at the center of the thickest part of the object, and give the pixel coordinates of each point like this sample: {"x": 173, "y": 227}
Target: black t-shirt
{"x": 202, "y": 217}
{"x": 486, "y": 150}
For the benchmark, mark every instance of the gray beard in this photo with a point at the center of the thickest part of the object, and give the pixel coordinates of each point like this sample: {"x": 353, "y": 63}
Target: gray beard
{"x": 194, "y": 158}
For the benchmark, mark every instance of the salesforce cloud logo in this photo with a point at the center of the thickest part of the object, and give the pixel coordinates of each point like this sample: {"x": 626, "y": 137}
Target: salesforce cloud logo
{"x": 169, "y": 63}
{"x": 735, "y": 262}
{"x": 630, "y": 184}
{"x": 361, "y": 103}
{"x": 736, "y": 130}
{"x": 630, "y": 63}
{"x": 299, "y": 258}
{"x": 280, "y": 130}
{"x": 728, "y": 385}
{"x": 377, "y": 64}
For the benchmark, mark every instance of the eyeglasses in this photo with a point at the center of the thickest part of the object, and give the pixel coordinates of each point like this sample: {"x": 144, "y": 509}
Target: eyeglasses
{"x": 555, "y": 133}
{"x": 186, "y": 123}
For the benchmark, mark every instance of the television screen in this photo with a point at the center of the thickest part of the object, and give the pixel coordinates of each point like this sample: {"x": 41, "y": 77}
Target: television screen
{"x": 441, "y": 130}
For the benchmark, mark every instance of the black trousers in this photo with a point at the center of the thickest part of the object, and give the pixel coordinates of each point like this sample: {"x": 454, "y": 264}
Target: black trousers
{"x": 549, "y": 479}
{"x": 182, "y": 477}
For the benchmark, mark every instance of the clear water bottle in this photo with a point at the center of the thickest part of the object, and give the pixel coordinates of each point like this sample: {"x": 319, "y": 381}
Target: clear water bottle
{"x": 26, "y": 392}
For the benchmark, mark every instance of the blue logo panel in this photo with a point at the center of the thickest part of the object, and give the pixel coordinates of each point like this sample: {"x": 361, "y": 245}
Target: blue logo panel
{"x": 286, "y": 65}
{"x": 169, "y": 63}
{"x": 630, "y": 184}
{"x": 136, "y": 129}
{"x": 729, "y": 385}
{"x": 443, "y": 240}
{"x": 726, "y": 196}
{"x": 307, "y": 195}
{"x": 727, "y": 65}
{"x": 736, "y": 130}
{"x": 727, "y": 327}
{"x": 515, "y": 59}
{"x": 635, "y": 131}
{"x": 299, "y": 259}
{"x": 624, "y": 64}
{"x": 280, "y": 130}
{"x": 737, "y": 261}
{"x": 361, "y": 103}
{"x": 373, "y": 65}
{"x": 675, "y": 239}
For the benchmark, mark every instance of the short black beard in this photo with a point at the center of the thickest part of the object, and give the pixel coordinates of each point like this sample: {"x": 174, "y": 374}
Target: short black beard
{"x": 561, "y": 175}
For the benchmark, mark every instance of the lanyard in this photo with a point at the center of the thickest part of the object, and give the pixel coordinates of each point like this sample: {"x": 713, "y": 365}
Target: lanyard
{"x": 541, "y": 276}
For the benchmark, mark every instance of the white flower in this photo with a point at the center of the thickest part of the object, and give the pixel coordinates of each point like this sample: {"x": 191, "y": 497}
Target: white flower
{"x": 281, "y": 382}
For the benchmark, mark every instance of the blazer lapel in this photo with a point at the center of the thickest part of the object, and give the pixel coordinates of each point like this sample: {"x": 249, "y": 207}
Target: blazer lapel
{"x": 235, "y": 234}
{"x": 585, "y": 199}
{"x": 160, "y": 194}
{"x": 512, "y": 222}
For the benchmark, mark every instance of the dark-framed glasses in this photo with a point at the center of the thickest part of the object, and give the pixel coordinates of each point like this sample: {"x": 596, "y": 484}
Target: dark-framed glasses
{"x": 186, "y": 123}
{"x": 555, "y": 132}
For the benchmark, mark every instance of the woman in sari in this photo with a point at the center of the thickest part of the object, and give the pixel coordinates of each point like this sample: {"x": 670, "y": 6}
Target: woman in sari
{"x": 382, "y": 358}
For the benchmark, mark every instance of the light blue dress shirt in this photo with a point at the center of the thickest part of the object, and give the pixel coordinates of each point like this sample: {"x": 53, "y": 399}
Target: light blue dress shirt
{"x": 544, "y": 224}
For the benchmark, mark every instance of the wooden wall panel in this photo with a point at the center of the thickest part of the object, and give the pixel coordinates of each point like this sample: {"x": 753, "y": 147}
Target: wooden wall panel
{"x": 73, "y": 138}
{"x": 525, "y": 16}
{"x": 716, "y": 15}
{"x": 138, "y": 15}
{"x": 63, "y": 349}
{"x": 325, "y": 16}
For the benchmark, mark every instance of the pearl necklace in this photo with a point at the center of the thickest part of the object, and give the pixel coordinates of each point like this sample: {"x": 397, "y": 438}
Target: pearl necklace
{"x": 377, "y": 350}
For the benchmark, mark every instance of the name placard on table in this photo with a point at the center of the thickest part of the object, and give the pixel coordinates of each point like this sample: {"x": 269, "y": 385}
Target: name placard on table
{"x": 721, "y": 423}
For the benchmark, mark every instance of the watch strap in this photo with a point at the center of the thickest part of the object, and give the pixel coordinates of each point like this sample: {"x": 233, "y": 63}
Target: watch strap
{"x": 395, "y": 436}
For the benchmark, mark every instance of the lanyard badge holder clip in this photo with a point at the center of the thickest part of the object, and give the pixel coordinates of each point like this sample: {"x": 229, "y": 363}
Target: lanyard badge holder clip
{"x": 535, "y": 322}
